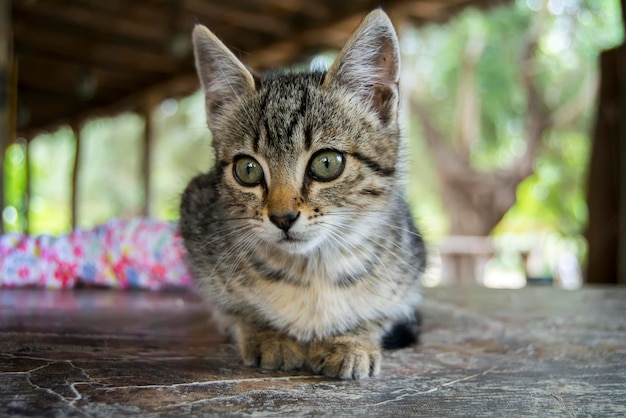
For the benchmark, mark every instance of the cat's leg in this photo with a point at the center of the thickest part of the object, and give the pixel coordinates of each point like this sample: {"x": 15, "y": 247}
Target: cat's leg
{"x": 271, "y": 350}
{"x": 345, "y": 357}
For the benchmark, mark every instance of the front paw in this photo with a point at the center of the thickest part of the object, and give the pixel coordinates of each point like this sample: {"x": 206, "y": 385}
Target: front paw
{"x": 345, "y": 357}
{"x": 271, "y": 350}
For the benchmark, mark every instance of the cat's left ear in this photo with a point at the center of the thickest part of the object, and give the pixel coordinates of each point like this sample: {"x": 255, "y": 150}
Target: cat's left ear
{"x": 369, "y": 65}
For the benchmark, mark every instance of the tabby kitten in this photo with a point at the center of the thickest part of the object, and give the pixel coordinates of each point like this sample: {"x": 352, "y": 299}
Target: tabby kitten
{"x": 300, "y": 234}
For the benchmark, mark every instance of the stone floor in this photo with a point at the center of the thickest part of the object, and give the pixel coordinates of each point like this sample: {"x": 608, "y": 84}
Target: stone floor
{"x": 530, "y": 352}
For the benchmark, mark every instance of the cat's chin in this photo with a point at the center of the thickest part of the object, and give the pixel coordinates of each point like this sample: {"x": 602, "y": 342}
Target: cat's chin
{"x": 297, "y": 246}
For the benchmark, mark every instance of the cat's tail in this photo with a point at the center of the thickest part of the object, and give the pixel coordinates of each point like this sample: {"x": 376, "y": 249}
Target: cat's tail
{"x": 403, "y": 333}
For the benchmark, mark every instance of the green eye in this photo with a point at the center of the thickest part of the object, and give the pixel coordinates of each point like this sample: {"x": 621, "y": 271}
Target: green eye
{"x": 326, "y": 165}
{"x": 247, "y": 171}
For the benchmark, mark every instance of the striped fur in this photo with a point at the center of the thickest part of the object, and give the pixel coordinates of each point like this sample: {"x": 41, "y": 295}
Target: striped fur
{"x": 321, "y": 292}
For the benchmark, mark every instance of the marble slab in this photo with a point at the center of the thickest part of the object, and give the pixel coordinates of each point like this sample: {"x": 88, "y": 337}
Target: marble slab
{"x": 529, "y": 352}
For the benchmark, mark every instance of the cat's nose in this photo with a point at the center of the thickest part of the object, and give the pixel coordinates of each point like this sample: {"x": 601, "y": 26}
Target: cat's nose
{"x": 284, "y": 220}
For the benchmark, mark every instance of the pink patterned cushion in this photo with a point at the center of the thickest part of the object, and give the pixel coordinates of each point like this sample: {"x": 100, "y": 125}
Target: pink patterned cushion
{"x": 137, "y": 253}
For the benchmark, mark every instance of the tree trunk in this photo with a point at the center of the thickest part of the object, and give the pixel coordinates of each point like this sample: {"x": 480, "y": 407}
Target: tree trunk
{"x": 476, "y": 201}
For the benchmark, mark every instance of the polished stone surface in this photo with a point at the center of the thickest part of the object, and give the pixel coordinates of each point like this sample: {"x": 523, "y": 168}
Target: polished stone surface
{"x": 529, "y": 352}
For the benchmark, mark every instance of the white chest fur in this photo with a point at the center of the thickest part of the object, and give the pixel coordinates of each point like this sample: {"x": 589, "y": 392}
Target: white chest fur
{"x": 321, "y": 307}
{"x": 320, "y": 310}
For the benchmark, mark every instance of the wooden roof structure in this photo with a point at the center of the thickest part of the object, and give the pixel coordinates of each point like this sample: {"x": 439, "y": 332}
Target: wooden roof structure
{"x": 82, "y": 58}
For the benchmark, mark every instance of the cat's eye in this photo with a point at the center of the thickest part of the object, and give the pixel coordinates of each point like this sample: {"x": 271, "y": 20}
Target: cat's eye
{"x": 326, "y": 165}
{"x": 248, "y": 172}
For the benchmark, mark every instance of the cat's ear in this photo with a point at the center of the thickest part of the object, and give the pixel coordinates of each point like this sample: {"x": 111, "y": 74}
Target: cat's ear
{"x": 369, "y": 65}
{"x": 222, "y": 76}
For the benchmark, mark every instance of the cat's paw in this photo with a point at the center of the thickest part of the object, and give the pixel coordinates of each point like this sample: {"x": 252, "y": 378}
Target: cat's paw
{"x": 272, "y": 351}
{"x": 345, "y": 357}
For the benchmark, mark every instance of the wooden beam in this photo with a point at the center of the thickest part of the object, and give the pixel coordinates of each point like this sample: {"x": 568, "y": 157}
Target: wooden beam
{"x": 606, "y": 190}
{"x": 35, "y": 66}
{"x": 621, "y": 268}
{"x": 236, "y": 17}
{"x": 77, "y": 15}
{"x": 427, "y": 11}
{"x": 146, "y": 153}
{"x": 313, "y": 9}
{"x": 186, "y": 83}
{"x": 76, "y": 130}
{"x": 27, "y": 187}
{"x": 47, "y": 41}
{"x": 5, "y": 88}
{"x": 300, "y": 44}
{"x": 183, "y": 85}
{"x": 136, "y": 11}
{"x": 603, "y": 187}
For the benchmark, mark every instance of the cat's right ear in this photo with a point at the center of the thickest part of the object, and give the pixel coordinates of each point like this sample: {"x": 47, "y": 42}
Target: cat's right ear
{"x": 369, "y": 65}
{"x": 222, "y": 76}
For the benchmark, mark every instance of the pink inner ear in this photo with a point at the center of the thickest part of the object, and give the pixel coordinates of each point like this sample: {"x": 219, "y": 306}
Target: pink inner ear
{"x": 387, "y": 63}
{"x": 368, "y": 65}
{"x": 383, "y": 102}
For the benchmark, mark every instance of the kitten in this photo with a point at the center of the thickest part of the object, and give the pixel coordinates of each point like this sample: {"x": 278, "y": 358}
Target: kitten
{"x": 300, "y": 234}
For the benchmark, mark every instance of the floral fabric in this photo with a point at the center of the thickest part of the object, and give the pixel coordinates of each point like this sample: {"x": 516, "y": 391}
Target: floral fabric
{"x": 137, "y": 253}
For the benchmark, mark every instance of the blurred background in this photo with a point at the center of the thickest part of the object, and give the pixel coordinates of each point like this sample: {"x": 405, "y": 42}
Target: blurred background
{"x": 499, "y": 106}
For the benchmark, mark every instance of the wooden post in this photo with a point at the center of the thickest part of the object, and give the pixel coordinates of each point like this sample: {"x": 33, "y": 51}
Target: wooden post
{"x": 75, "y": 168}
{"x": 6, "y": 60}
{"x": 606, "y": 196}
{"x": 606, "y": 231}
{"x": 25, "y": 196}
{"x": 146, "y": 156}
{"x": 621, "y": 76}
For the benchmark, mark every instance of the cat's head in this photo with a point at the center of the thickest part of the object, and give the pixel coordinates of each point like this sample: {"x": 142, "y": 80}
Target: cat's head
{"x": 305, "y": 158}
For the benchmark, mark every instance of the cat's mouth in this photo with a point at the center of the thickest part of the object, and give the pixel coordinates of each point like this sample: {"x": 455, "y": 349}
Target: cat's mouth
{"x": 287, "y": 238}
{"x": 295, "y": 244}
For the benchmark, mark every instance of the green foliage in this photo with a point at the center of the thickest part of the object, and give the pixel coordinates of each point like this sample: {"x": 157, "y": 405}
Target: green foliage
{"x": 571, "y": 34}
{"x": 422, "y": 192}
{"x": 110, "y": 183}
{"x": 50, "y": 161}
{"x": 15, "y": 188}
{"x": 553, "y": 198}
{"x": 181, "y": 150}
